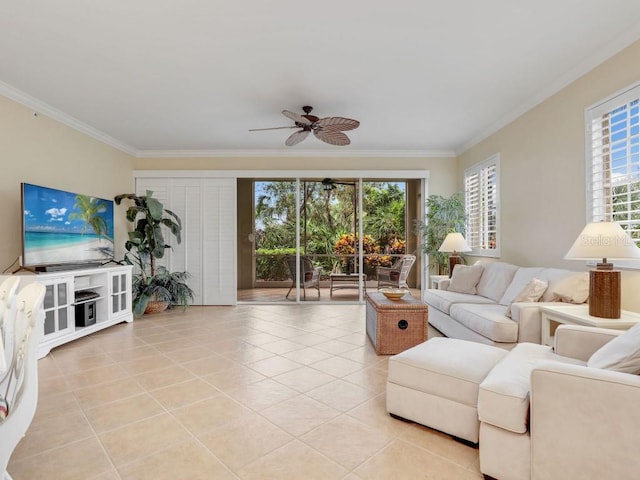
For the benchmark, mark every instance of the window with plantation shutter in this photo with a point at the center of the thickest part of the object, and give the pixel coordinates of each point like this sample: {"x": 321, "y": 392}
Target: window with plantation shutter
{"x": 482, "y": 201}
{"x": 613, "y": 161}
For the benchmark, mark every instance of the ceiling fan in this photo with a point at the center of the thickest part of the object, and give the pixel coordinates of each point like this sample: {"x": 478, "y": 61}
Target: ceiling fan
{"x": 329, "y": 184}
{"x": 328, "y": 129}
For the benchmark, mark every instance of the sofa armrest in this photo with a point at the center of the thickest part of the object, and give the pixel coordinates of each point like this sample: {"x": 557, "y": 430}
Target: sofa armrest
{"x": 529, "y": 319}
{"x": 577, "y": 341}
{"x": 584, "y": 422}
{"x": 444, "y": 284}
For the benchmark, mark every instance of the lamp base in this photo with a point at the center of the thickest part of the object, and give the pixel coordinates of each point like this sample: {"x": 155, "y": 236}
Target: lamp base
{"x": 604, "y": 293}
{"x": 453, "y": 261}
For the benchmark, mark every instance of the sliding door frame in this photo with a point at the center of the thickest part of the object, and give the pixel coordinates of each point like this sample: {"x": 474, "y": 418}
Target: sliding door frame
{"x": 360, "y": 175}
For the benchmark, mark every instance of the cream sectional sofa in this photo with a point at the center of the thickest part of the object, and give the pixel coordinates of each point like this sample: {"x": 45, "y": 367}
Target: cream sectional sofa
{"x": 567, "y": 412}
{"x": 482, "y": 317}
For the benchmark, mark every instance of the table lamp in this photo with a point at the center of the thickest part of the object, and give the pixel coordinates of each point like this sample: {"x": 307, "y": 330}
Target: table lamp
{"x": 604, "y": 241}
{"x": 454, "y": 243}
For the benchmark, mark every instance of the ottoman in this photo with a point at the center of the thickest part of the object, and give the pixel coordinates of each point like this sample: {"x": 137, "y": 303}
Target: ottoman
{"x": 436, "y": 384}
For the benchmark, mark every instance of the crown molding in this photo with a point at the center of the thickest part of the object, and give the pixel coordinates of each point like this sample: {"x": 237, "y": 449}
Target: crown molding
{"x": 295, "y": 153}
{"x": 617, "y": 44}
{"x": 52, "y": 112}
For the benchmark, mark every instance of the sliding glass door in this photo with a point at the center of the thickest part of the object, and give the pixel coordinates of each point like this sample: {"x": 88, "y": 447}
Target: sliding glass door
{"x": 346, "y": 226}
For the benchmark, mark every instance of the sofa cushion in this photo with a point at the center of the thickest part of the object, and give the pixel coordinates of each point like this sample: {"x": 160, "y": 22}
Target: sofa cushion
{"x": 530, "y": 293}
{"x": 495, "y": 279}
{"x": 489, "y": 320}
{"x": 520, "y": 280}
{"x": 503, "y": 400}
{"x": 554, "y": 276}
{"x": 465, "y": 278}
{"x": 443, "y": 299}
{"x": 445, "y": 367}
{"x": 622, "y": 354}
{"x": 573, "y": 288}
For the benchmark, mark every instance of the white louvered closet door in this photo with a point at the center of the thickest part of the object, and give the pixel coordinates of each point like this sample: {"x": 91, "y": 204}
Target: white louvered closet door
{"x": 219, "y": 241}
{"x": 207, "y": 209}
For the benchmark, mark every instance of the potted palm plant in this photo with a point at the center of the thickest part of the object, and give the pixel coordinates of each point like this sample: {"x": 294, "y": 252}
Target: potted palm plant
{"x": 154, "y": 287}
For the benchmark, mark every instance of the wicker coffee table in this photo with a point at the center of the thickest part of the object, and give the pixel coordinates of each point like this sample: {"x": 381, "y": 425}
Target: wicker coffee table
{"x": 395, "y": 325}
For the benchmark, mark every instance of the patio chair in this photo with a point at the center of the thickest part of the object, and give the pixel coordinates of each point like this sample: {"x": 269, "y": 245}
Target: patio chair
{"x": 396, "y": 275}
{"x": 309, "y": 275}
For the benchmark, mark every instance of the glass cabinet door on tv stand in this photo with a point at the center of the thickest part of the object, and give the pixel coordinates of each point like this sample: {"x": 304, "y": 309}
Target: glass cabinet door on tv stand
{"x": 120, "y": 301}
{"x": 57, "y": 307}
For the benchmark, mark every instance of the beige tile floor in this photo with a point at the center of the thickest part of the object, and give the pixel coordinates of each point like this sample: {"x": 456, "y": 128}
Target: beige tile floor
{"x": 247, "y": 392}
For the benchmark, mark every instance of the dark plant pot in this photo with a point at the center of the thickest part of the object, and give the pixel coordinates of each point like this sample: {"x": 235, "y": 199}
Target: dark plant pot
{"x": 156, "y": 306}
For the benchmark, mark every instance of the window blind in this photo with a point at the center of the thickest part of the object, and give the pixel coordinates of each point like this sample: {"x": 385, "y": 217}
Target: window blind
{"x": 613, "y": 161}
{"x": 482, "y": 204}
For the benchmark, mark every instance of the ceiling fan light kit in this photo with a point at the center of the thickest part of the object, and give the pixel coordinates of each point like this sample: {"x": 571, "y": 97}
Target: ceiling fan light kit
{"x": 328, "y": 129}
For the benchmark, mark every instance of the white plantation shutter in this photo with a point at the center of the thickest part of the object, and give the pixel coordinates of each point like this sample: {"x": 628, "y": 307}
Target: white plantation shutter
{"x": 207, "y": 209}
{"x": 613, "y": 161}
{"x": 482, "y": 201}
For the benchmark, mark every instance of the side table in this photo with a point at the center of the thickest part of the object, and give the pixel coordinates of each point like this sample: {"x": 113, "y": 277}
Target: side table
{"x": 395, "y": 325}
{"x": 579, "y": 315}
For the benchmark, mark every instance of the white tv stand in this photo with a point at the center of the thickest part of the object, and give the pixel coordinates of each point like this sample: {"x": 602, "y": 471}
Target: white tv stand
{"x": 112, "y": 303}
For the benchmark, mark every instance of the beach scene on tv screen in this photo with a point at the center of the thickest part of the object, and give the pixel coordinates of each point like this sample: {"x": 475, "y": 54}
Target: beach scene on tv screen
{"x": 64, "y": 227}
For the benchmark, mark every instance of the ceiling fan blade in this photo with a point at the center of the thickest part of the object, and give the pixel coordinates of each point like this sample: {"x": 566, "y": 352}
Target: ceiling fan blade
{"x": 332, "y": 137}
{"x": 296, "y": 137}
{"x": 272, "y": 128}
{"x": 339, "y": 124}
{"x": 296, "y": 118}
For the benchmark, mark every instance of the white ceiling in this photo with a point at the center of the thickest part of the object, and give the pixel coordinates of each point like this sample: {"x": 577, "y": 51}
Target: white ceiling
{"x": 193, "y": 76}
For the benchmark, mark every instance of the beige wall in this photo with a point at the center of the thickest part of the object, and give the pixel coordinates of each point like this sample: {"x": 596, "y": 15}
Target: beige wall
{"x": 543, "y": 199}
{"x": 39, "y": 150}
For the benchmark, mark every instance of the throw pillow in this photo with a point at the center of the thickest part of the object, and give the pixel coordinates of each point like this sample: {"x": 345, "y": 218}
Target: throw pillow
{"x": 530, "y": 293}
{"x": 573, "y": 288}
{"x": 465, "y": 278}
{"x": 622, "y": 354}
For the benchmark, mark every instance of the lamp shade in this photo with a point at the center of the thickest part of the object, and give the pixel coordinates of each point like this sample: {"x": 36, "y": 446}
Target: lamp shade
{"x": 454, "y": 242}
{"x": 599, "y": 240}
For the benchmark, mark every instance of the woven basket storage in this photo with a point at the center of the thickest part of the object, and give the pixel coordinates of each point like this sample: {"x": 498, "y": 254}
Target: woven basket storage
{"x": 395, "y": 325}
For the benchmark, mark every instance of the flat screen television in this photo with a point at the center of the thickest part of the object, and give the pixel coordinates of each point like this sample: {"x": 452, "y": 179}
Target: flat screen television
{"x": 65, "y": 229}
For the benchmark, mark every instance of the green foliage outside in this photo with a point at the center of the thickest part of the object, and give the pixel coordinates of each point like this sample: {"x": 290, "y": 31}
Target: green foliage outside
{"x": 444, "y": 215}
{"x": 270, "y": 265}
{"x": 325, "y": 219}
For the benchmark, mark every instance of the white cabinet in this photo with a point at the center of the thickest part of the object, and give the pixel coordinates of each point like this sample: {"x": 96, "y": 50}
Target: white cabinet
{"x": 81, "y": 302}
